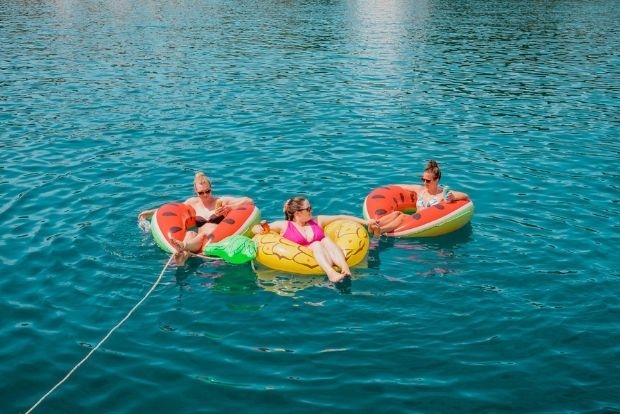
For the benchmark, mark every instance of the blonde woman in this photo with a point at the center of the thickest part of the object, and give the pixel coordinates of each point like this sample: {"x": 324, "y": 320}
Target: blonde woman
{"x": 210, "y": 210}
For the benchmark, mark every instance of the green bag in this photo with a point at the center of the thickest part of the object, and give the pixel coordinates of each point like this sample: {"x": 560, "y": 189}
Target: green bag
{"x": 233, "y": 249}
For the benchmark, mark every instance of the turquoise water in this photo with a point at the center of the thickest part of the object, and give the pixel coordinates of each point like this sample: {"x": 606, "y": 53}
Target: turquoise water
{"x": 109, "y": 107}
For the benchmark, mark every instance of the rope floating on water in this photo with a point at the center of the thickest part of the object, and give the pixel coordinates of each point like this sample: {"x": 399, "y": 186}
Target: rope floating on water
{"x": 92, "y": 351}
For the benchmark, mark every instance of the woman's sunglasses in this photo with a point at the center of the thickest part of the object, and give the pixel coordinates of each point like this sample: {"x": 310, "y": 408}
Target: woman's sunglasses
{"x": 424, "y": 180}
{"x": 206, "y": 192}
{"x": 308, "y": 209}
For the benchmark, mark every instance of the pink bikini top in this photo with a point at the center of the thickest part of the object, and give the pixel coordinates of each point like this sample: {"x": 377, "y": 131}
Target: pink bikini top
{"x": 294, "y": 235}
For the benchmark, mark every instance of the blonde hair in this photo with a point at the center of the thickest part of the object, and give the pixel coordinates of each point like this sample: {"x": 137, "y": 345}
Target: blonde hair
{"x": 201, "y": 178}
{"x": 293, "y": 205}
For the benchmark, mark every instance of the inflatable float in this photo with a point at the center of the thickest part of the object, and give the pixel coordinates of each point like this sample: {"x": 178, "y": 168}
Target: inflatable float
{"x": 278, "y": 253}
{"x": 442, "y": 218}
{"x": 174, "y": 219}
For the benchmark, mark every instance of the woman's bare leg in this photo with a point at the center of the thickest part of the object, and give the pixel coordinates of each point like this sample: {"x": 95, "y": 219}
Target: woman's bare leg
{"x": 337, "y": 255}
{"x": 324, "y": 260}
{"x": 375, "y": 229}
{"x": 193, "y": 241}
{"x": 181, "y": 254}
{"x": 391, "y": 221}
{"x": 207, "y": 228}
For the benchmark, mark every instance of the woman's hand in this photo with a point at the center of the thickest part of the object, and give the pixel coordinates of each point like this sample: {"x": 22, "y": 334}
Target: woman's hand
{"x": 261, "y": 228}
{"x": 221, "y": 211}
{"x": 456, "y": 196}
{"x": 145, "y": 215}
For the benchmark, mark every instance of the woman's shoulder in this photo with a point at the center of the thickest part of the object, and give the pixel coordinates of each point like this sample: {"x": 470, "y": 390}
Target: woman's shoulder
{"x": 191, "y": 201}
{"x": 279, "y": 225}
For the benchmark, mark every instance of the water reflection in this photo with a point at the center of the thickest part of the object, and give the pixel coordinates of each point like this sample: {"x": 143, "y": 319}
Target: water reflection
{"x": 444, "y": 245}
{"x": 403, "y": 259}
{"x": 287, "y": 284}
{"x": 218, "y": 275}
{"x": 385, "y": 256}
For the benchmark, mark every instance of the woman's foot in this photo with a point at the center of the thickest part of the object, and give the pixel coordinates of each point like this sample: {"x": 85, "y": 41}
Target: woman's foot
{"x": 375, "y": 230}
{"x": 181, "y": 257}
{"x": 334, "y": 276}
{"x": 179, "y": 246}
{"x": 181, "y": 254}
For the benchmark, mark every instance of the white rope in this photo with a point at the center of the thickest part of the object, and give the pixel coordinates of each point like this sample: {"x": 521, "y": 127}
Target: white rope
{"x": 92, "y": 351}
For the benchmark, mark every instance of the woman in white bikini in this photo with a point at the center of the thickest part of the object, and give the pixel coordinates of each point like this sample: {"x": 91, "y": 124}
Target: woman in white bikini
{"x": 429, "y": 193}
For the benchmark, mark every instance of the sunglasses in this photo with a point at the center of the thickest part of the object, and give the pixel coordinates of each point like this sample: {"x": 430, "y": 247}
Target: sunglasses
{"x": 308, "y": 209}
{"x": 424, "y": 180}
{"x": 206, "y": 192}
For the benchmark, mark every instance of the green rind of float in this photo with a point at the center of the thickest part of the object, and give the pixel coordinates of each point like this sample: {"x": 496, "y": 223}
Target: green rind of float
{"x": 441, "y": 228}
{"x": 253, "y": 220}
{"x": 158, "y": 235}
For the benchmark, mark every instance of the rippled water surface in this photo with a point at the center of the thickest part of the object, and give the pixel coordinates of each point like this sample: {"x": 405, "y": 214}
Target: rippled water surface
{"x": 109, "y": 107}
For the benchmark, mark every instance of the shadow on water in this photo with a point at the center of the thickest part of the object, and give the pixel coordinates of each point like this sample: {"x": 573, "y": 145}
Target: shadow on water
{"x": 238, "y": 280}
{"x": 449, "y": 241}
{"x": 243, "y": 280}
{"x": 222, "y": 277}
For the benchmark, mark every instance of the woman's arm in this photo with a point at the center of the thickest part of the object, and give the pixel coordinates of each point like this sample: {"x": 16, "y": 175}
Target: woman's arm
{"x": 325, "y": 220}
{"x": 147, "y": 214}
{"x": 234, "y": 202}
{"x": 277, "y": 226}
{"x": 456, "y": 195}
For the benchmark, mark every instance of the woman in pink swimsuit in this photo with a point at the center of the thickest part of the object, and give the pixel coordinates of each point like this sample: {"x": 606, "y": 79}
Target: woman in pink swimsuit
{"x": 302, "y": 228}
